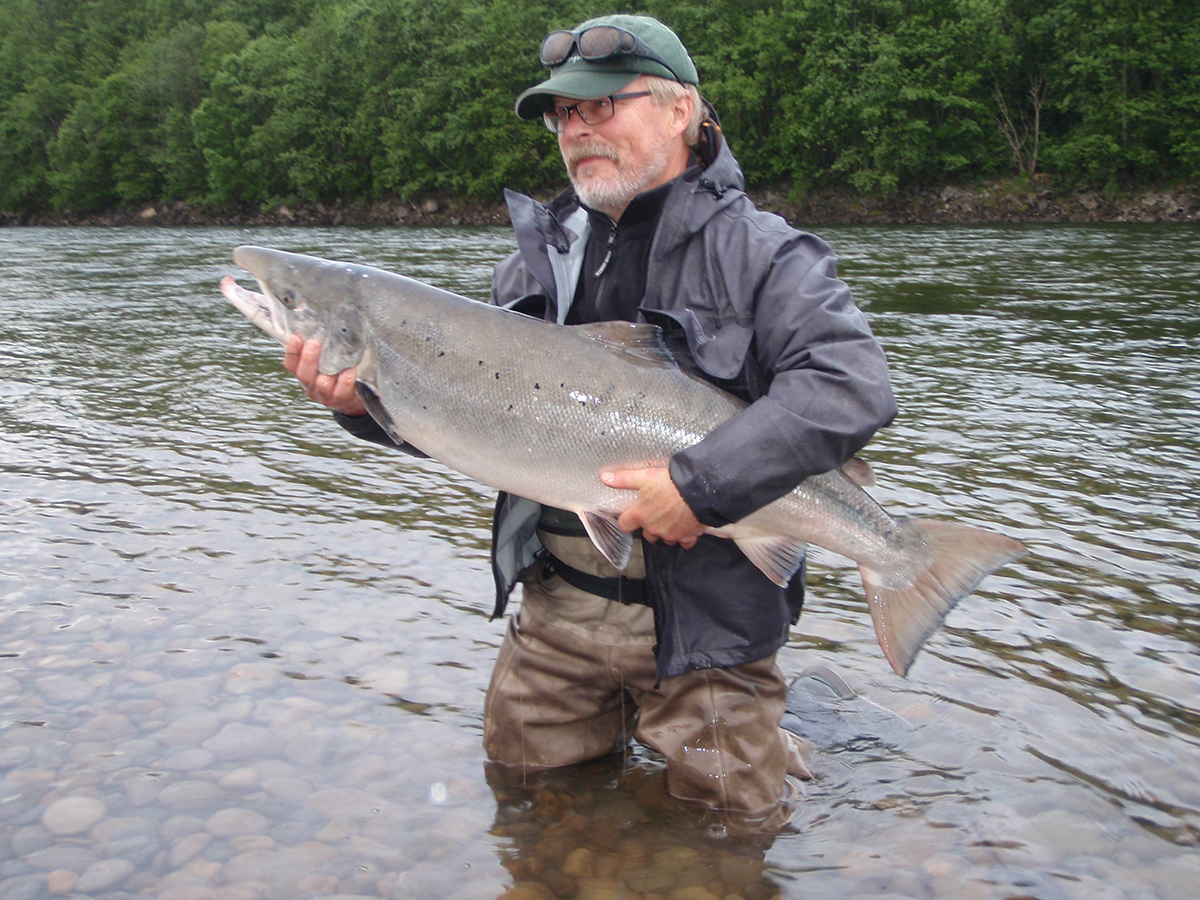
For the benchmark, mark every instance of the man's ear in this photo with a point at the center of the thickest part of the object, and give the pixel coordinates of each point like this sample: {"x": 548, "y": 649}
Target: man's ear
{"x": 681, "y": 113}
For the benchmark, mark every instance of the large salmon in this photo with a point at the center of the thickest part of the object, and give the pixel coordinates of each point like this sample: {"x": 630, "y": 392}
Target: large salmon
{"x": 540, "y": 410}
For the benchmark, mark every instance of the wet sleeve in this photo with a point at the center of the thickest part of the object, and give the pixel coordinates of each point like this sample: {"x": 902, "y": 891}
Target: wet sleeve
{"x": 367, "y": 429}
{"x": 829, "y": 392}
{"x": 511, "y": 280}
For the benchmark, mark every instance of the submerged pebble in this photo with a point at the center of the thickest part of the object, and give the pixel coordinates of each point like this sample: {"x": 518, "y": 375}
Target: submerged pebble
{"x": 73, "y": 815}
{"x": 104, "y": 875}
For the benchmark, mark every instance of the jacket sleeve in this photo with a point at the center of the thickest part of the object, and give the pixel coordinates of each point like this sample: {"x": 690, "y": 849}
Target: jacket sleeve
{"x": 828, "y": 392}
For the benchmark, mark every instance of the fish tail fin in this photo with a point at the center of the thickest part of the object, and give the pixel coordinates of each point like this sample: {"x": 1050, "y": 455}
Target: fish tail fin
{"x": 957, "y": 558}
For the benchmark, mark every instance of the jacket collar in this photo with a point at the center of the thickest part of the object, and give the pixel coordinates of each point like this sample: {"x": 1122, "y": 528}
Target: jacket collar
{"x": 695, "y": 201}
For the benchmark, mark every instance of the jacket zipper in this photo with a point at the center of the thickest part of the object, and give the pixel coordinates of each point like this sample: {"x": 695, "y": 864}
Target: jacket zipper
{"x": 608, "y": 252}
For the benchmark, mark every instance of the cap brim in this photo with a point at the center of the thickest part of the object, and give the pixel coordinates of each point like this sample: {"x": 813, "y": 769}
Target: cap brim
{"x": 578, "y": 82}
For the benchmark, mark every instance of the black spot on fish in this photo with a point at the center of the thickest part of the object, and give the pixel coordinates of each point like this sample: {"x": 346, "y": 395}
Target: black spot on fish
{"x": 536, "y": 386}
{"x": 441, "y": 353}
{"x": 497, "y": 376}
{"x": 510, "y": 407}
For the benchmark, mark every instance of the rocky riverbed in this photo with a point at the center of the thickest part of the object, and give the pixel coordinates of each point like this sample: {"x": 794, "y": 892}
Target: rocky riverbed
{"x": 1034, "y": 201}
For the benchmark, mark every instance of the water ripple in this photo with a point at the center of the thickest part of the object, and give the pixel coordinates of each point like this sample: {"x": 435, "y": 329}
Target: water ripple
{"x": 190, "y": 544}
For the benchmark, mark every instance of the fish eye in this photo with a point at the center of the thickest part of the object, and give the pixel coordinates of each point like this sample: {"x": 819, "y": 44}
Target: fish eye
{"x": 288, "y": 299}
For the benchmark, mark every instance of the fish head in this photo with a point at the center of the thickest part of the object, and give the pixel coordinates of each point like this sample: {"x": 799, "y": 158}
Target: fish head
{"x": 305, "y": 296}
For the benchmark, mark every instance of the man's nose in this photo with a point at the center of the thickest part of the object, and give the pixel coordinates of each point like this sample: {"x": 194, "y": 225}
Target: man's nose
{"x": 575, "y": 126}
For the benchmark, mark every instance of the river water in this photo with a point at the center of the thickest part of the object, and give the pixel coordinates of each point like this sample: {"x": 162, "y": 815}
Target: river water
{"x": 243, "y": 655}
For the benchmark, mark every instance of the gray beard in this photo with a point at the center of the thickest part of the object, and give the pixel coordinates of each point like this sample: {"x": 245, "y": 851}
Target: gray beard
{"x": 611, "y": 195}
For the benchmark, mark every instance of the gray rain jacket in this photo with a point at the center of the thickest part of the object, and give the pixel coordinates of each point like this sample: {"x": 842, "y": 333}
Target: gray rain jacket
{"x": 754, "y": 306}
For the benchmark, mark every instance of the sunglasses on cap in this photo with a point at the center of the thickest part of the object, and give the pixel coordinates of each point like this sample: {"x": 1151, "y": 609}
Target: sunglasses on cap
{"x": 596, "y": 44}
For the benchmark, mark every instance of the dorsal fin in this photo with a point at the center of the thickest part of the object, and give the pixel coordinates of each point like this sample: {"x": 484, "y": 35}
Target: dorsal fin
{"x": 641, "y": 341}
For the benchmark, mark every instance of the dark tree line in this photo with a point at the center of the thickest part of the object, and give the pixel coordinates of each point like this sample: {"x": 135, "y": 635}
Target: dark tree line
{"x": 261, "y": 102}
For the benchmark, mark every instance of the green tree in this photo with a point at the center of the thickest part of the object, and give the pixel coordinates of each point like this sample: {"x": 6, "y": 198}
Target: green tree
{"x": 226, "y": 124}
{"x": 1121, "y": 65}
{"x": 260, "y": 102}
{"x": 39, "y": 61}
{"x": 127, "y": 138}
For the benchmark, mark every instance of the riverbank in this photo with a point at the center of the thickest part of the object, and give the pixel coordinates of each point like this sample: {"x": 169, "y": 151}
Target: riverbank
{"x": 1011, "y": 201}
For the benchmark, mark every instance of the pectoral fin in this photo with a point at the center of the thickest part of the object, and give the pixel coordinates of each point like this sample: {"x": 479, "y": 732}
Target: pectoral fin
{"x": 375, "y": 409}
{"x": 615, "y": 544}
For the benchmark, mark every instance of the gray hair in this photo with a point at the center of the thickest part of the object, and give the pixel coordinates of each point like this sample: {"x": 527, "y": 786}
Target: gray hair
{"x": 664, "y": 91}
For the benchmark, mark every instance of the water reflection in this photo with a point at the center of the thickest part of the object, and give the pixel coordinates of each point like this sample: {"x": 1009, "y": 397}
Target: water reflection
{"x": 610, "y": 829}
{"x": 243, "y": 656}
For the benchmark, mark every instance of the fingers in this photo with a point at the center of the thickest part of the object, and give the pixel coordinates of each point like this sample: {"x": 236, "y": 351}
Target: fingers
{"x": 291, "y": 353}
{"x": 343, "y": 395}
{"x": 632, "y": 480}
{"x": 302, "y": 359}
{"x": 659, "y": 511}
{"x": 631, "y": 520}
{"x": 625, "y": 479}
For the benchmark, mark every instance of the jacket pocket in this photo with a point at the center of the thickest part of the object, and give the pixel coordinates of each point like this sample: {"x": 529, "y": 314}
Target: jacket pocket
{"x": 718, "y": 353}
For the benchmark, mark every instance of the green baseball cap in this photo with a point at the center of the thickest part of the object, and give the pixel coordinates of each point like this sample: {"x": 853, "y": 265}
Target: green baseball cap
{"x": 602, "y": 56}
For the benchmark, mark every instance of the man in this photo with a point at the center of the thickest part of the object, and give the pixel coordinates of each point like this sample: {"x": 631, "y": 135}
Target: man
{"x": 679, "y": 649}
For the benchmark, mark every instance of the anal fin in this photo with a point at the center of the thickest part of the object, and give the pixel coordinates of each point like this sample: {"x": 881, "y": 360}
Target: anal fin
{"x": 778, "y": 557}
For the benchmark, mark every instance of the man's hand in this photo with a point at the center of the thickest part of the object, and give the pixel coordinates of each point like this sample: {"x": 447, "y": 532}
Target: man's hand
{"x": 300, "y": 357}
{"x": 658, "y": 510}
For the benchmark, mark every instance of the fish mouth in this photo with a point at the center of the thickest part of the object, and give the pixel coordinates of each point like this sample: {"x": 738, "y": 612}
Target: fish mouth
{"x": 256, "y": 307}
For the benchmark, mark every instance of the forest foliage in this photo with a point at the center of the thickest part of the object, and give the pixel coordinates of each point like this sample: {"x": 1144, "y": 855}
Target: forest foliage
{"x": 254, "y": 103}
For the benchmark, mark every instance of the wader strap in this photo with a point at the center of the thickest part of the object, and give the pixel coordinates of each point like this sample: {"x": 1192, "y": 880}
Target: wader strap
{"x": 621, "y": 589}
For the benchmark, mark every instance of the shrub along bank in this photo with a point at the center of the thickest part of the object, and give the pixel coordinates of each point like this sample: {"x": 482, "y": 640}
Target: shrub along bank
{"x": 840, "y": 110}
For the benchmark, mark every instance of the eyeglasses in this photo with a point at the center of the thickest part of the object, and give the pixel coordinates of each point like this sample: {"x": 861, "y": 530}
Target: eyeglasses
{"x": 600, "y": 42}
{"x": 593, "y": 112}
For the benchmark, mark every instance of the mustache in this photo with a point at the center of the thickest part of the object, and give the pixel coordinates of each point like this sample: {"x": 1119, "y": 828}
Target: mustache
{"x": 577, "y": 152}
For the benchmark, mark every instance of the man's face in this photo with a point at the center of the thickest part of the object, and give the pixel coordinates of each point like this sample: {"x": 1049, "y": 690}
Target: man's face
{"x": 639, "y": 148}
